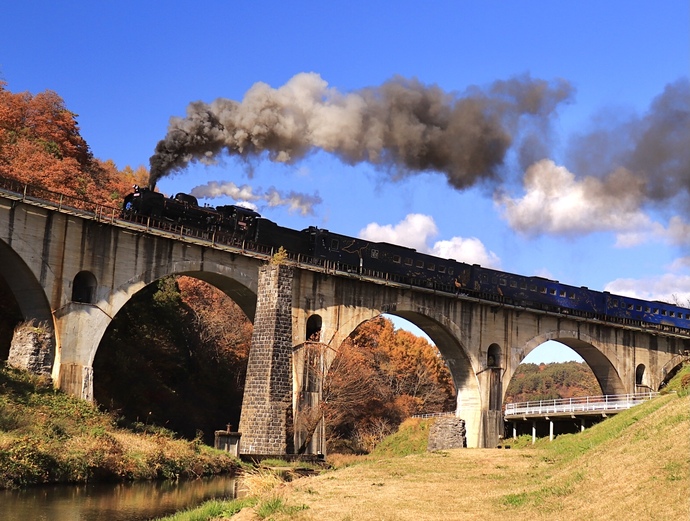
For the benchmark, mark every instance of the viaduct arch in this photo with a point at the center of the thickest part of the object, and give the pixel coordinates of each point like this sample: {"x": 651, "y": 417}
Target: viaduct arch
{"x": 45, "y": 250}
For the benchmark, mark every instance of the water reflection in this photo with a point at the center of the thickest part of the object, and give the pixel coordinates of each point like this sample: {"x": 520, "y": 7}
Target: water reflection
{"x": 111, "y": 502}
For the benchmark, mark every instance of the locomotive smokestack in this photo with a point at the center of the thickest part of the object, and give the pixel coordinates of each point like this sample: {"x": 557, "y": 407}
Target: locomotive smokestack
{"x": 402, "y": 125}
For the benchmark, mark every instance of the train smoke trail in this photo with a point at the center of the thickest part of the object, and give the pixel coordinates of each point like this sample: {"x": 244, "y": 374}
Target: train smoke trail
{"x": 616, "y": 172}
{"x": 248, "y": 196}
{"x": 401, "y": 125}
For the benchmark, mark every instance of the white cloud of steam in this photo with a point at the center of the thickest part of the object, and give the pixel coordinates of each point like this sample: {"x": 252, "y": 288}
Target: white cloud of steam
{"x": 557, "y": 203}
{"x": 295, "y": 202}
{"x": 416, "y": 230}
{"x": 246, "y": 196}
{"x": 214, "y": 189}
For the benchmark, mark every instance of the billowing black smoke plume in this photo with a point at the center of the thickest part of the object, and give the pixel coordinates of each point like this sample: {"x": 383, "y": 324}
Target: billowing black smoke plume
{"x": 402, "y": 125}
{"x": 623, "y": 167}
{"x": 654, "y": 147}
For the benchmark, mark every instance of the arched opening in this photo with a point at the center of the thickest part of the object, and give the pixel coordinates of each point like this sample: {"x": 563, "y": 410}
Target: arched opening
{"x": 555, "y": 370}
{"x": 493, "y": 364}
{"x": 380, "y": 376}
{"x": 10, "y": 317}
{"x": 22, "y": 297}
{"x": 84, "y": 288}
{"x": 314, "y": 324}
{"x": 175, "y": 357}
{"x": 639, "y": 378}
{"x": 493, "y": 356}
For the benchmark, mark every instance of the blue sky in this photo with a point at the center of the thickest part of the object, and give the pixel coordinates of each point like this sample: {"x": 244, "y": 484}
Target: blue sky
{"x": 601, "y": 202}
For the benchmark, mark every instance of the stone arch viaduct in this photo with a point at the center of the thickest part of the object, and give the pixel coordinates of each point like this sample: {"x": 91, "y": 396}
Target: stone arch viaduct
{"x": 75, "y": 270}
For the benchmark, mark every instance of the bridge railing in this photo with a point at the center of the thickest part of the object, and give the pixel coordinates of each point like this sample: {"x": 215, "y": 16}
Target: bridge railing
{"x": 582, "y": 404}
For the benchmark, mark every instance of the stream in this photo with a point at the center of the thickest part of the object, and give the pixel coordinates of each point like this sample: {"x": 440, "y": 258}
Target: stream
{"x": 138, "y": 501}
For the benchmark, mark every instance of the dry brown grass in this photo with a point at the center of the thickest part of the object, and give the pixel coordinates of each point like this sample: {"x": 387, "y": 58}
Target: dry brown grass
{"x": 643, "y": 473}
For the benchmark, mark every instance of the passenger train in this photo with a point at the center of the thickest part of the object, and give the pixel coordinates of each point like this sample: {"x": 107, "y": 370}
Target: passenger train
{"x": 405, "y": 265}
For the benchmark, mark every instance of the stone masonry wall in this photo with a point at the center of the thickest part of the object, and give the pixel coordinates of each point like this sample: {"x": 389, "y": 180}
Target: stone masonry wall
{"x": 267, "y": 405}
{"x": 33, "y": 348}
{"x": 447, "y": 433}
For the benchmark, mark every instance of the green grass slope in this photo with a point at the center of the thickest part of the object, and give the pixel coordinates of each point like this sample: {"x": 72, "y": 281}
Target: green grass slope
{"x": 47, "y": 436}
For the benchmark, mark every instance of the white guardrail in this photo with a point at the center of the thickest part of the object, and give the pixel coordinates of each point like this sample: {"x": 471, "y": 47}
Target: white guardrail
{"x": 583, "y": 404}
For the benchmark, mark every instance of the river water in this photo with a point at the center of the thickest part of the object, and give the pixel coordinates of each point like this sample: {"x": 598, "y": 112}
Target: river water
{"x": 111, "y": 502}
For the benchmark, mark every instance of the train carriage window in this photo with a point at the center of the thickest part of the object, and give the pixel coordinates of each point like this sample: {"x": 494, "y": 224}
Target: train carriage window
{"x": 441, "y": 269}
{"x": 502, "y": 282}
{"x": 334, "y": 244}
{"x": 408, "y": 262}
{"x": 396, "y": 259}
{"x": 638, "y": 308}
{"x": 431, "y": 267}
{"x": 572, "y": 296}
{"x": 542, "y": 290}
{"x": 655, "y": 311}
{"x": 420, "y": 264}
{"x": 563, "y": 294}
{"x": 533, "y": 287}
{"x": 614, "y": 303}
{"x": 671, "y": 314}
{"x": 523, "y": 285}
{"x": 450, "y": 271}
{"x": 374, "y": 254}
{"x": 552, "y": 291}
{"x": 647, "y": 309}
{"x": 513, "y": 284}
{"x": 663, "y": 312}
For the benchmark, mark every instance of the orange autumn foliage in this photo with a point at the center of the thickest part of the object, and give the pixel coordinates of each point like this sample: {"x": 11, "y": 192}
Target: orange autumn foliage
{"x": 40, "y": 144}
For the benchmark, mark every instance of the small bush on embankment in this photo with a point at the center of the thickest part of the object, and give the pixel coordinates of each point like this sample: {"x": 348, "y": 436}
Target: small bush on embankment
{"x": 47, "y": 436}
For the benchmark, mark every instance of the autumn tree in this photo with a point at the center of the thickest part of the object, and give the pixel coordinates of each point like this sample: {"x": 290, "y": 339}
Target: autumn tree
{"x": 379, "y": 377}
{"x": 40, "y": 144}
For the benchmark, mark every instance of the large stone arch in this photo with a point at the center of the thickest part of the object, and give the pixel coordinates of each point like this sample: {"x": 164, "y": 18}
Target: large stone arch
{"x": 604, "y": 368}
{"x": 452, "y": 342}
{"x": 30, "y": 305}
{"x": 81, "y": 326}
{"x": 25, "y": 285}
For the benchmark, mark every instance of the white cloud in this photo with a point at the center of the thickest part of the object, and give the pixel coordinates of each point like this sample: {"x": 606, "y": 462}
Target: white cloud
{"x": 470, "y": 250}
{"x": 557, "y": 203}
{"x": 417, "y": 230}
{"x": 673, "y": 288}
{"x": 414, "y": 231}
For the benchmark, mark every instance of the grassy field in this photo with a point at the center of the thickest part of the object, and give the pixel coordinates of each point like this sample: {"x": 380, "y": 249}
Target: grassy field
{"x": 47, "y": 436}
{"x": 635, "y": 465}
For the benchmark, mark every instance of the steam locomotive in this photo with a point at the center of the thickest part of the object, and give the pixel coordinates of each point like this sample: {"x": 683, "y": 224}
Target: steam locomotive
{"x": 235, "y": 224}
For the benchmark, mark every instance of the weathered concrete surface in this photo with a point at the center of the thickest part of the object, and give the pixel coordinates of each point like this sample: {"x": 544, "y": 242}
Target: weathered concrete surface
{"x": 43, "y": 250}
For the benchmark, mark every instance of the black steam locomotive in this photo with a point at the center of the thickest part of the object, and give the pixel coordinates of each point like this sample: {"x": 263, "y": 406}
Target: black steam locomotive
{"x": 237, "y": 225}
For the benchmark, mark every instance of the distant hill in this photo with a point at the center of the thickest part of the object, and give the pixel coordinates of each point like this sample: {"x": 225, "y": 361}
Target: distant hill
{"x": 550, "y": 381}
